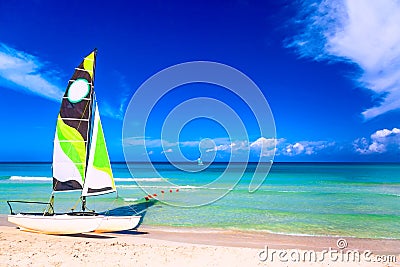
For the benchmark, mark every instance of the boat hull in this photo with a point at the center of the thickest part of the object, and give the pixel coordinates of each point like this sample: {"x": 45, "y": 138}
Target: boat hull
{"x": 56, "y": 224}
{"x": 118, "y": 223}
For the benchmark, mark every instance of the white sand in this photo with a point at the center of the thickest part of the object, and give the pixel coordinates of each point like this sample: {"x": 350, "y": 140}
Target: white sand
{"x": 159, "y": 247}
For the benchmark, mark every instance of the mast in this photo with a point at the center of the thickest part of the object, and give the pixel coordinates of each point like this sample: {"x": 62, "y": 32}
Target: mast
{"x": 90, "y": 125}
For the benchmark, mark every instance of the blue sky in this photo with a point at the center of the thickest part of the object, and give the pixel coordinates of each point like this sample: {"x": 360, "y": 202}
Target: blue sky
{"x": 329, "y": 70}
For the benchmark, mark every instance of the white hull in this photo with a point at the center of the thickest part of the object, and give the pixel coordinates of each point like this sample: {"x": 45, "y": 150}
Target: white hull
{"x": 118, "y": 223}
{"x": 56, "y": 224}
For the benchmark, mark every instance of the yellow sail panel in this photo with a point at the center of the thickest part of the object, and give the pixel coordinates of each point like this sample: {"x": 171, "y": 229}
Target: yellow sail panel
{"x": 88, "y": 63}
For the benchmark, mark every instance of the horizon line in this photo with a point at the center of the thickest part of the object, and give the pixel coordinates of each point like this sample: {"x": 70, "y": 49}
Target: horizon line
{"x": 220, "y": 162}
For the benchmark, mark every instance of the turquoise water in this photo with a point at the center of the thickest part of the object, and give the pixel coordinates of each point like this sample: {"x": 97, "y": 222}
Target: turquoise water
{"x": 361, "y": 200}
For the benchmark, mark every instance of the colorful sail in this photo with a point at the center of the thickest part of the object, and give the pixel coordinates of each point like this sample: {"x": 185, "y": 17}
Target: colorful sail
{"x": 73, "y": 128}
{"x": 99, "y": 178}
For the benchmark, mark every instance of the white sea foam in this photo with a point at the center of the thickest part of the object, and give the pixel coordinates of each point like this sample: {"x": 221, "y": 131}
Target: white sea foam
{"x": 130, "y": 199}
{"x": 124, "y": 179}
{"x": 286, "y": 233}
{"x": 139, "y": 179}
{"x": 182, "y": 187}
{"x": 161, "y": 186}
{"x": 149, "y": 179}
{"x": 31, "y": 178}
{"x": 289, "y": 191}
{"x": 145, "y": 186}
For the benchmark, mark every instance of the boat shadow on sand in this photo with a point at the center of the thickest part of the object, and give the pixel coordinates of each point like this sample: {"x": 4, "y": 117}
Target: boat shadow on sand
{"x": 131, "y": 210}
{"x": 106, "y": 235}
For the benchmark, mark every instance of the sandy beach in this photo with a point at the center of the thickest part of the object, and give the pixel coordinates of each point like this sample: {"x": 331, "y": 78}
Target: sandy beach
{"x": 168, "y": 246}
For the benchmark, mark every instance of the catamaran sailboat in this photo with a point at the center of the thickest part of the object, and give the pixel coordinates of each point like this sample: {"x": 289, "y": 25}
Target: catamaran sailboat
{"x": 80, "y": 162}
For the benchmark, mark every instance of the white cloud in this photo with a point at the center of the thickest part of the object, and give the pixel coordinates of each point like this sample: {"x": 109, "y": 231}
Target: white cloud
{"x": 266, "y": 147}
{"x": 227, "y": 146}
{"x": 379, "y": 142}
{"x": 363, "y": 32}
{"x": 20, "y": 70}
{"x": 262, "y": 146}
{"x": 169, "y": 150}
{"x": 385, "y": 133}
{"x": 150, "y": 143}
{"x": 190, "y": 143}
{"x": 263, "y": 142}
{"x": 305, "y": 147}
{"x": 295, "y": 149}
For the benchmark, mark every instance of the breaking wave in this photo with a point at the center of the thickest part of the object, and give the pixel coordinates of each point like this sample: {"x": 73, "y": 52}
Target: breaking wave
{"x": 31, "y": 179}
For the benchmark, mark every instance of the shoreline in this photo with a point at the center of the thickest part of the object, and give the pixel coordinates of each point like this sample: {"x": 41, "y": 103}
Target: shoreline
{"x": 249, "y": 238}
{"x": 174, "y": 246}
{"x": 262, "y": 232}
{"x": 251, "y": 232}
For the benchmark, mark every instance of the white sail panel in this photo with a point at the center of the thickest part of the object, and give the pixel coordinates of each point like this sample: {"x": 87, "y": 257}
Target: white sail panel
{"x": 99, "y": 178}
{"x": 65, "y": 171}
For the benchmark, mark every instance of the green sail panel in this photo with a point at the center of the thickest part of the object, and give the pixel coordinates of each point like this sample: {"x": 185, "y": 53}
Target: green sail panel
{"x": 73, "y": 128}
{"x": 99, "y": 178}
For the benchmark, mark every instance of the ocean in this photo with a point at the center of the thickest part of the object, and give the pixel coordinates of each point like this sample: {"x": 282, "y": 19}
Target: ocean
{"x": 316, "y": 199}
